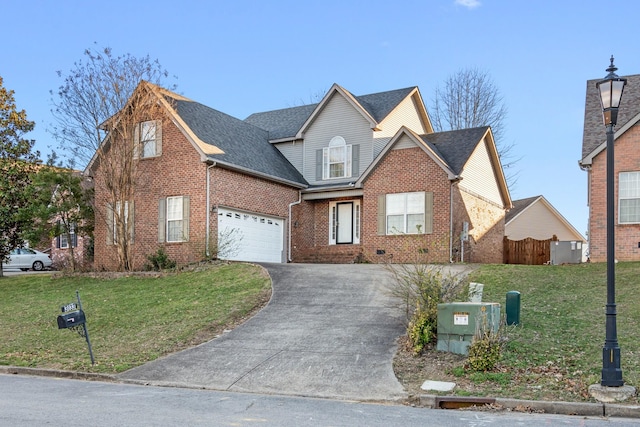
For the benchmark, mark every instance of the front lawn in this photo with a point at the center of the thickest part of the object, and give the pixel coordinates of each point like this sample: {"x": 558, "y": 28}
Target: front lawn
{"x": 556, "y": 351}
{"x": 131, "y": 319}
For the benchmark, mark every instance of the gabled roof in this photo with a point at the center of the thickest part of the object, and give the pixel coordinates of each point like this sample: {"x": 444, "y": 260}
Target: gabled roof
{"x": 521, "y": 206}
{"x": 221, "y": 138}
{"x": 518, "y": 207}
{"x": 594, "y": 137}
{"x": 379, "y": 105}
{"x": 290, "y": 123}
{"x": 456, "y": 146}
{"x": 244, "y": 146}
{"x": 450, "y": 150}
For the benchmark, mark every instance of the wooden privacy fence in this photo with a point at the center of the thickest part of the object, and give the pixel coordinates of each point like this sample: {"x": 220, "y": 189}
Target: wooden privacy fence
{"x": 527, "y": 251}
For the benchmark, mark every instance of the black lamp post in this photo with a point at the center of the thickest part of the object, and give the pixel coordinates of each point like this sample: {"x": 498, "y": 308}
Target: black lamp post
{"x": 610, "y": 90}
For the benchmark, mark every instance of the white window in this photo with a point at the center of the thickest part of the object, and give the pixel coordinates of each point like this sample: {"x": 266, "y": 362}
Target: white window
{"x": 405, "y": 213}
{"x": 148, "y": 136}
{"x": 336, "y": 159}
{"x": 174, "y": 219}
{"x": 119, "y": 213}
{"x": 629, "y": 198}
{"x": 120, "y": 210}
{"x": 64, "y": 241}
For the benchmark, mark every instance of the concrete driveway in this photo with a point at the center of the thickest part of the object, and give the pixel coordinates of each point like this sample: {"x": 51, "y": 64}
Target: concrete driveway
{"x": 328, "y": 331}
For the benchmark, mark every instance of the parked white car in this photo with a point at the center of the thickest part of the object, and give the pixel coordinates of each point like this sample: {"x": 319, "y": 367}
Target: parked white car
{"x": 26, "y": 258}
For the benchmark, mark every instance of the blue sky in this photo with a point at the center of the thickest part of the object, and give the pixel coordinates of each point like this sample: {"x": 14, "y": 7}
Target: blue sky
{"x": 243, "y": 56}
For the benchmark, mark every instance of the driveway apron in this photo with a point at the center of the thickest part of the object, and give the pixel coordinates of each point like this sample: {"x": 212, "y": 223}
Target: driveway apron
{"x": 329, "y": 331}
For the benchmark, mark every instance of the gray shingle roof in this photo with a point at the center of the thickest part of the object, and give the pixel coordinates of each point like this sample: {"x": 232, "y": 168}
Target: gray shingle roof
{"x": 284, "y": 123}
{"x": 594, "y": 130}
{"x": 379, "y": 105}
{"x": 455, "y": 146}
{"x": 519, "y": 206}
{"x": 287, "y": 122}
{"x": 244, "y": 145}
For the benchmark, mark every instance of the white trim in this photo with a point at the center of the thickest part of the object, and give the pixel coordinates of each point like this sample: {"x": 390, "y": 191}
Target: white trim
{"x": 356, "y": 221}
{"x": 588, "y": 159}
{"x": 322, "y": 104}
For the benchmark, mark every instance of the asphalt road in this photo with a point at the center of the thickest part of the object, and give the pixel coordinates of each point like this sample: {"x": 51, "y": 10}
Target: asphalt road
{"x": 36, "y": 401}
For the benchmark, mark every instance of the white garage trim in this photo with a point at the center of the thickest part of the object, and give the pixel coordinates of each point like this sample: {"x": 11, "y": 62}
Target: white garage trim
{"x": 250, "y": 236}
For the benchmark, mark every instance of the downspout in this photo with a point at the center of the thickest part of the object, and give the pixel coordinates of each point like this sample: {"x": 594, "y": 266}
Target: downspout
{"x": 451, "y": 222}
{"x": 291, "y": 205}
{"x": 454, "y": 181}
{"x": 208, "y": 228}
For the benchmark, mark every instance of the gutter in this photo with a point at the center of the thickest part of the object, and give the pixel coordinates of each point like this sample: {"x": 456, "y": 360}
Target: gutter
{"x": 291, "y": 205}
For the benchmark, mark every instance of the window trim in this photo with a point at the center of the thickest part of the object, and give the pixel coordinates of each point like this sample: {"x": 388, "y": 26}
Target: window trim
{"x": 163, "y": 221}
{"x": 621, "y": 198}
{"x": 63, "y": 242}
{"x": 179, "y": 201}
{"x": 346, "y": 154}
{"x": 141, "y": 144}
{"x": 112, "y": 231}
{"x": 382, "y": 214}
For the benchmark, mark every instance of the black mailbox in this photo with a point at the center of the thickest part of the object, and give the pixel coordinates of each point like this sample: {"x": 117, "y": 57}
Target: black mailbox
{"x": 71, "y": 319}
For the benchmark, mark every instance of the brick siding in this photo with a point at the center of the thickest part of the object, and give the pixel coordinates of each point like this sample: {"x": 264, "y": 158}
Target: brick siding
{"x": 179, "y": 172}
{"x": 627, "y": 236}
{"x": 405, "y": 170}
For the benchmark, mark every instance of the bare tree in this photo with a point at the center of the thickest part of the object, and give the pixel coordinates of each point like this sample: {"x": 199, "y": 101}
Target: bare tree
{"x": 470, "y": 99}
{"x": 99, "y": 111}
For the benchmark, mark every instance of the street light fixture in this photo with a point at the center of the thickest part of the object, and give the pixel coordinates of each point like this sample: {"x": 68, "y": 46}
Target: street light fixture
{"x": 610, "y": 90}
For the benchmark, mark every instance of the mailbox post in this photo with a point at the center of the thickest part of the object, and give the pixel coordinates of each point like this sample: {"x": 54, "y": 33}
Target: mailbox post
{"x": 73, "y": 317}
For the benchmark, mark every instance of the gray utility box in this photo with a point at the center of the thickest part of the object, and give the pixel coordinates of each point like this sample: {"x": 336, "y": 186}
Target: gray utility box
{"x": 458, "y": 322}
{"x": 566, "y": 252}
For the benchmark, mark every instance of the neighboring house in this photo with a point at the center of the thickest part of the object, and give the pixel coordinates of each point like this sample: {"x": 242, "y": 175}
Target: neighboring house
{"x": 535, "y": 217}
{"x": 626, "y": 173}
{"x": 60, "y": 250}
{"x": 352, "y": 178}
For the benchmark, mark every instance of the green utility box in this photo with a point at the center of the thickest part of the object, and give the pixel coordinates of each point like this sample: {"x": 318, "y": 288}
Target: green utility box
{"x": 458, "y": 321}
{"x": 512, "y": 308}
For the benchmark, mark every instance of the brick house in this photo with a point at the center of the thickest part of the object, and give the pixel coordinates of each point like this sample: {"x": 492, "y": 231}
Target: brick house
{"x": 351, "y": 178}
{"x": 626, "y": 173}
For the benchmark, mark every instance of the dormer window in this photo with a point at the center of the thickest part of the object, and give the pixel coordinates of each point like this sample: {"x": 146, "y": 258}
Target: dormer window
{"x": 336, "y": 159}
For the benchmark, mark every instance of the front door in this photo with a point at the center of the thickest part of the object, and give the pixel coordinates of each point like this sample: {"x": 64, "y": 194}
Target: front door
{"x": 344, "y": 223}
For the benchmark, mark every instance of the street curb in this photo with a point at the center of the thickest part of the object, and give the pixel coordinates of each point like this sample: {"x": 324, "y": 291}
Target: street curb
{"x": 548, "y": 407}
{"x": 55, "y": 373}
{"x": 426, "y": 400}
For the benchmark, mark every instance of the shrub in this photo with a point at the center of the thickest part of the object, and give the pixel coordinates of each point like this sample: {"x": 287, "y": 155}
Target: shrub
{"x": 485, "y": 350}
{"x": 227, "y": 244}
{"x": 420, "y": 288}
{"x": 160, "y": 261}
{"x": 421, "y": 331}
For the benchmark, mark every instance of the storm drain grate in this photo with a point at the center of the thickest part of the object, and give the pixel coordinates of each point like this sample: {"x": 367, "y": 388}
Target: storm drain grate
{"x": 447, "y": 402}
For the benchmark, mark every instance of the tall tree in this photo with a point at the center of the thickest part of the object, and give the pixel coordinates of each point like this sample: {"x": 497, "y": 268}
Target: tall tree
{"x": 17, "y": 167}
{"x": 98, "y": 111}
{"x": 470, "y": 99}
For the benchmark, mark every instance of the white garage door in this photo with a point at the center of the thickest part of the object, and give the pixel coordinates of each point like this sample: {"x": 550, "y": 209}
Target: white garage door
{"x": 253, "y": 237}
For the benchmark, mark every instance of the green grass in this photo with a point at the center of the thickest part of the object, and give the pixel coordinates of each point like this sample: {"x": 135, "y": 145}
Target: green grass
{"x": 554, "y": 354}
{"x": 130, "y": 319}
{"x": 556, "y": 351}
